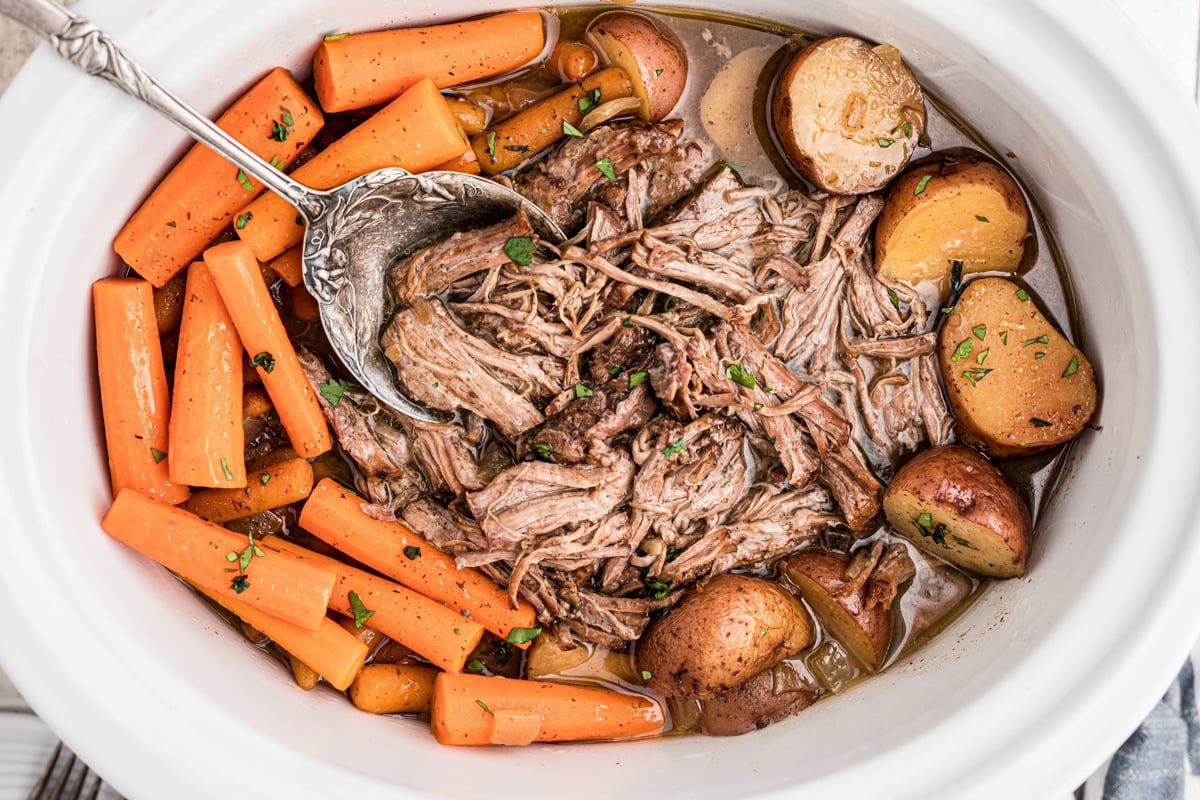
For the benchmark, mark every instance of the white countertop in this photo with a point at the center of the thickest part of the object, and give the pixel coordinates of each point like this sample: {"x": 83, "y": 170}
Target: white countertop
{"x": 1172, "y": 27}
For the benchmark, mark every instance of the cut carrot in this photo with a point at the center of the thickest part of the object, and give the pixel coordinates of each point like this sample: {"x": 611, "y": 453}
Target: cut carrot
{"x": 204, "y": 193}
{"x": 365, "y": 69}
{"x": 133, "y": 388}
{"x": 288, "y": 265}
{"x": 222, "y": 561}
{"x": 471, "y": 117}
{"x": 235, "y": 271}
{"x": 572, "y": 60}
{"x": 335, "y": 515}
{"x": 467, "y": 162}
{"x": 206, "y": 436}
{"x": 393, "y": 689}
{"x": 429, "y": 629}
{"x": 306, "y": 677}
{"x": 328, "y": 650}
{"x": 255, "y": 401}
{"x": 530, "y": 131}
{"x": 479, "y": 709}
{"x": 287, "y": 482}
{"x": 304, "y": 306}
{"x": 415, "y": 132}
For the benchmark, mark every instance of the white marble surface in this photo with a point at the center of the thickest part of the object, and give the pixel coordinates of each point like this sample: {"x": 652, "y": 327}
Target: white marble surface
{"x": 1171, "y": 26}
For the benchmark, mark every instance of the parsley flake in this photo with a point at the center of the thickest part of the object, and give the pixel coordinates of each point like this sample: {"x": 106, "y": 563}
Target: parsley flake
{"x": 733, "y": 167}
{"x": 333, "y": 37}
{"x": 647, "y": 674}
{"x": 905, "y": 126}
{"x": 885, "y": 142}
{"x": 522, "y": 635}
{"x": 361, "y": 612}
{"x": 279, "y": 131}
{"x": 276, "y": 162}
{"x": 172, "y": 224}
{"x": 225, "y": 469}
{"x": 474, "y": 665}
{"x": 1043, "y": 339}
{"x": 658, "y": 72}
{"x": 980, "y": 331}
{"x": 674, "y": 448}
{"x": 983, "y": 354}
{"x": 922, "y": 184}
{"x": 264, "y": 360}
{"x": 157, "y": 455}
{"x": 491, "y": 146}
{"x": 963, "y": 350}
{"x": 637, "y": 378}
{"x": 893, "y": 297}
{"x": 240, "y": 584}
{"x": 605, "y": 166}
{"x": 582, "y": 391}
{"x": 589, "y": 101}
{"x": 484, "y": 706}
{"x": 1072, "y": 367}
{"x": 738, "y": 374}
{"x": 660, "y": 588}
{"x": 1039, "y": 423}
{"x": 981, "y": 218}
{"x": 571, "y": 130}
{"x": 286, "y": 115}
{"x": 242, "y": 219}
{"x": 265, "y": 478}
{"x": 520, "y": 249}
{"x": 333, "y": 389}
{"x": 412, "y": 552}
{"x": 975, "y": 374}
{"x": 542, "y": 450}
{"x": 1022, "y": 295}
{"x": 244, "y": 180}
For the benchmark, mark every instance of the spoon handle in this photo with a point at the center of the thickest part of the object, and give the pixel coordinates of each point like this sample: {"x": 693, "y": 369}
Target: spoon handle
{"x": 83, "y": 44}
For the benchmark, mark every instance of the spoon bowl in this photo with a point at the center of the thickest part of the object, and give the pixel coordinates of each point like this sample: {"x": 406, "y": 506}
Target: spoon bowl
{"x": 353, "y": 233}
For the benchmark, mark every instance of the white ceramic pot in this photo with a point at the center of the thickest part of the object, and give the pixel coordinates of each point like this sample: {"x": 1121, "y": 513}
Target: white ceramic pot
{"x": 1021, "y": 697}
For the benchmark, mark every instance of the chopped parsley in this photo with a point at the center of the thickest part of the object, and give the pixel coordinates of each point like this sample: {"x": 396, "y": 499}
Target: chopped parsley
{"x": 1022, "y": 295}
{"x": 286, "y": 116}
{"x": 361, "y": 612}
{"x": 1004, "y": 338}
{"x": 963, "y": 350}
{"x": 660, "y": 588}
{"x": 738, "y": 374}
{"x": 963, "y": 542}
{"x": 571, "y": 130}
{"x": 658, "y": 72}
{"x": 936, "y": 532}
{"x": 333, "y": 37}
{"x": 589, "y": 101}
{"x": 1072, "y": 367}
{"x": 484, "y": 706}
{"x": 523, "y": 149}
{"x": 172, "y": 224}
{"x": 520, "y": 249}
{"x": 522, "y": 635}
{"x": 333, "y": 389}
{"x": 885, "y": 142}
{"x": 674, "y": 448}
{"x": 921, "y": 184}
{"x": 265, "y": 478}
{"x": 983, "y": 354}
{"x": 582, "y": 391}
{"x": 225, "y": 469}
{"x": 905, "y": 126}
{"x": 981, "y": 218}
{"x": 893, "y": 297}
{"x": 240, "y": 583}
{"x": 474, "y": 665}
{"x": 647, "y": 674}
{"x": 733, "y": 167}
{"x": 244, "y": 180}
{"x": 264, "y": 360}
{"x": 157, "y": 455}
{"x": 980, "y": 331}
{"x": 975, "y": 374}
{"x": 1039, "y": 355}
{"x": 956, "y": 284}
{"x": 1039, "y": 423}
{"x": 491, "y": 145}
{"x": 542, "y": 450}
{"x": 279, "y": 131}
{"x": 1043, "y": 339}
{"x": 605, "y": 166}
{"x": 244, "y": 557}
{"x": 412, "y": 552}
{"x": 242, "y": 219}
{"x": 637, "y": 378}
{"x": 614, "y": 371}
{"x": 276, "y": 162}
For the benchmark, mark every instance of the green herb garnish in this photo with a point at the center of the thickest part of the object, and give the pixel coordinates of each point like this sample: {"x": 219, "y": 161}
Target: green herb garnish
{"x": 980, "y": 331}
{"x": 1022, "y": 295}
{"x": 981, "y": 218}
{"x": 244, "y": 180}
{"x": 637, "y": 378}
{"x": 582, "y": 391}
{"x": 242, "y": 219}
{"x": 520, "y": 249}
{"x": 333, "y": 37}
{"x": 660, "y": 588}
{"x": 240, "y": 584}
{"x": 733, "y": 167}
{"x": 279, "y": 131}
{"x": 605, "y": 166}
{"x": 647, "y": 674}
{"x": 885, "y": 142}
{"x": 963, "y": 350}
{"x": 1043, "y": 339}
{"x": 157, "y": 455}
{"x": 571, "y": 130}
{"x": 172, "y": 224}
{"x": 484, "y": 706}
{"x": 412, "y": 552}
{"x": 1039, "y": 423}
{"x": 361, "y": 612}
{"x": 541, "y": 449}
{"x": 333, "y": 389}
{"x": 674, "y": 448}
{"x": 265, "y": 478}
{"x": 893, "y": 297}
{"x": 922, "y": 184}
{"x": 1072, "y": 367}
{"x": 474, "y": 665}
{"x": 589, "y": 101}
{"x": 903, "y": 126}
{"x": 522, "y": 635}
{"x": 738, "y": 374}
{"x": 975, "y": 374}
{"x": 983, "y": 354}
{"x": 491, "y": 146}
{"x": 264, "y": 360}
{"x": 225, "y": 469}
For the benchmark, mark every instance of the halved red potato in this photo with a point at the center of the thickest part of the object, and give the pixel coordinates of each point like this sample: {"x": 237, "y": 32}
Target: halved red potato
{"x": 650, "y": 55}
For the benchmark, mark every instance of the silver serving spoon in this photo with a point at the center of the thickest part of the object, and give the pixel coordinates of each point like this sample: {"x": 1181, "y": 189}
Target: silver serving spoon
{"x": 354, "y": 232}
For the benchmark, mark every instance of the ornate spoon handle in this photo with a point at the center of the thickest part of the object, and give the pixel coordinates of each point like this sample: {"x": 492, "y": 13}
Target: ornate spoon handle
{"x": 87, "y": 47}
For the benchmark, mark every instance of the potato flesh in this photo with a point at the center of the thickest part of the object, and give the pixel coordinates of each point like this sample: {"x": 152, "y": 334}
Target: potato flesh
{"x": 655, "y": 62}
{"x": 865, "y": 633}
{"x": 848, "y": 115}
{"x": 974, "y": 221}
{"x": 951, "y": 537}
{"x": 1021, "y": 386}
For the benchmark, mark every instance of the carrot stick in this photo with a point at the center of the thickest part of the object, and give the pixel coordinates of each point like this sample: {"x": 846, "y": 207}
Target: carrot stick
{"x": 257, "y": 320}
{"x": 204, "y": 193}
{"x": 471, "y": 117}
{"x": 364, "y": 69}
{"x": 479, "y": 709}
{"x": 429, "y": 629}
{"x": 206, "y": 416}
{"x": 507, "y": 143}
{"x": 335, "y": 515}
{"x": 415, "y": 131}
{"x": 287, "y": 265}
{"x": 306, "y": 677}
{"x": 287, "y": 482}
{"x": 133, "y": 388}
{"x": 328, "y": 650}
{"x": 393, "y": 689}
{"x": 278, "y": 584}
{"x": 255, "y": 401}
{"x": 304, "y": 306}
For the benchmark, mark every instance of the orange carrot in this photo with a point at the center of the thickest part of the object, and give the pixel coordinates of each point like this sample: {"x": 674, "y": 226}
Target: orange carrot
{"x": 335, "y": 515}
{"x": 306, "y": 677}
{"x": 429, "y": 629}
{"x": 328, "y": 650}
{"x": 133, "y": 388}
{"x": 304, "y": 306}
{"x": 471, "y": 117}
{"x": 364, "y": 69}
{"x": 507, "y": 143}
{"x": 287, "y": 265}
{"x": 393, "y": 689}
{"x": 480, "y": 709}
{"x": 572, "y": 60}
{"x": 222, "y": 561}
{"x": 204, "y": 192}
{"x": 206, "y": 416}
{"x": 255, "y": 401}
{"x": 287, "y": 482}
{"x": 415, "y": 131}
{"x": 257, "y": 320}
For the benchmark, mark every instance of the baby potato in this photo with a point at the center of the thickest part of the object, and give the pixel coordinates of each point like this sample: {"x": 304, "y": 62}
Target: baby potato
{"x": 753, "y": 704}
{"x": 651, "y": 56}
{"x": 724, "y": 631}
{"x": 848, "y": 114}
{"x": 970, "y": 211}
{"x": 864, "y": 629}
{"x": 954, "y": 503}
{"x": 1015, "y": 384}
